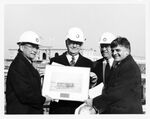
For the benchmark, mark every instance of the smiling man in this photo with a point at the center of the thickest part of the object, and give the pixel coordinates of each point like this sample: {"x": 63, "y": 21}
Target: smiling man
{"x": 122, "y": 94}
{"x": 72, "y": 57}
{"x": 101, "y": 65}
{"x": 23, "y": 84}
{"x": 120, "y": 49}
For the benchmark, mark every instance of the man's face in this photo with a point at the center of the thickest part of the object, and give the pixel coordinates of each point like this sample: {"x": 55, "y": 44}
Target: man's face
{"x": 73, "y": 47}
{"x": 30, "y": 50}
{"x": 119, "y": 53}
{"x": 105, "y": 51}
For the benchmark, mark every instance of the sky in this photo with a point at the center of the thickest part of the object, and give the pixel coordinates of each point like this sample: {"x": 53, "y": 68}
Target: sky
{"x": 52, "y": 22}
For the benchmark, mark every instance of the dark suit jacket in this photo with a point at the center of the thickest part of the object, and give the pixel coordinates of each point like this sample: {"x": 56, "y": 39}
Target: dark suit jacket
{"x": 23, "y": 88}
{"x": 68, "y": 107}
{"x": 98, "y": 70}
{"x": 122, "y": 95}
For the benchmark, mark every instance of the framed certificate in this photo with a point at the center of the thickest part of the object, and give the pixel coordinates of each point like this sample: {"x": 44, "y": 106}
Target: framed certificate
{"x": 66, "y": 82}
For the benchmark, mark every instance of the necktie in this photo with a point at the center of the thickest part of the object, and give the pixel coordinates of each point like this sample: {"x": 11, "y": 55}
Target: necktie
{"x": 115, "y": 65}
{"x": 72, "y": 62}
{"x": 107, "y": 71}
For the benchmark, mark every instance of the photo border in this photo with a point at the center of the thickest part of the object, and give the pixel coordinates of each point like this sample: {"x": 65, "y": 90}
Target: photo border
{"x": 147, "y": 12}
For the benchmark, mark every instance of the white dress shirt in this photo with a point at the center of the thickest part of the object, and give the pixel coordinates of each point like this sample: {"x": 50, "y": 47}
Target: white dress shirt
{"x": 69, "y": 57}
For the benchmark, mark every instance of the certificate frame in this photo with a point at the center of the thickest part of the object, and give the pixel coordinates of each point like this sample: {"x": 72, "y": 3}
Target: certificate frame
{"x": 66, "y": 82}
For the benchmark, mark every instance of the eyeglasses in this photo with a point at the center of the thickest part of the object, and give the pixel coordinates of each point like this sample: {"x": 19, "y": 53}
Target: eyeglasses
{"x": 32, "y": 46}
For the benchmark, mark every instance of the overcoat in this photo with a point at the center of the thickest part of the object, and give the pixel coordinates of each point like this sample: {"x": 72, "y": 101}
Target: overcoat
{"x": 98, "y": 70}
{"x": 68, "y": 107}
{"x": 122, "y": 95}
{"x": 23, "y": 88}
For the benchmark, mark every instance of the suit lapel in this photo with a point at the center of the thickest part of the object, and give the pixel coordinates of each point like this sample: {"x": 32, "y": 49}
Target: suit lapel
{"x": 34, "y": 72}
{"x": 65, "y": 60}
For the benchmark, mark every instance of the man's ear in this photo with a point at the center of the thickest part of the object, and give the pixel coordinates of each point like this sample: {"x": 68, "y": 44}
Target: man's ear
{"x": 127, "y": 52}
{"x": 21, "y": 47}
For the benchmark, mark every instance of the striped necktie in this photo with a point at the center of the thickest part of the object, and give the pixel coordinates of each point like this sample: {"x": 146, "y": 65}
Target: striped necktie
{"x": 72, "y": 62}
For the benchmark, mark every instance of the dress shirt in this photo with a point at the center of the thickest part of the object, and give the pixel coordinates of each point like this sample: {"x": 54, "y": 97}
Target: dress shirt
{"x": 69, "y": 57}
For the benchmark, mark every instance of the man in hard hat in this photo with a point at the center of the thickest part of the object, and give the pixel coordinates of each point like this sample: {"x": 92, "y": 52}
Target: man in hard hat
{"x": 106, "y": 60}
{"x": 23, "y": 84}
{"x": 72, "y": 57}
{"x": 122, "y": 94}
{"x": 103, "y": 66}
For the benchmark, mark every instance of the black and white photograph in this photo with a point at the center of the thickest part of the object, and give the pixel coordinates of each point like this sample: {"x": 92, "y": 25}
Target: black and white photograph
{"x": 107, "y": 41}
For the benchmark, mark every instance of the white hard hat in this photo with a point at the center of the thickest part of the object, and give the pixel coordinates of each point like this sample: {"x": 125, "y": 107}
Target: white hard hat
{"x": 29, "y": 37}
{"x": 75, "y": 34}
{"x": 107, "y": 38}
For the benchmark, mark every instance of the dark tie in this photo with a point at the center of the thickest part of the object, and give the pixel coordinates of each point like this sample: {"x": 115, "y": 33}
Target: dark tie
{"x": 72, "y": 62}
{"x": 107, "y": 71}
{"x": 115, "y": 65}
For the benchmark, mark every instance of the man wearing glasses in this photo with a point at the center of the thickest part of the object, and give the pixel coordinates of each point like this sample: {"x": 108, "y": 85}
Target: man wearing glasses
{"x": 23, "y": 85}
{"x": 72, "y": 57}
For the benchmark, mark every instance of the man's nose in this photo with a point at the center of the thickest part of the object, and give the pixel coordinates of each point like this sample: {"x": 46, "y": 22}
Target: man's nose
{"x": 104, "y": 48}
{"x": 74, "y": 45}
{"x": 114, "y": 52}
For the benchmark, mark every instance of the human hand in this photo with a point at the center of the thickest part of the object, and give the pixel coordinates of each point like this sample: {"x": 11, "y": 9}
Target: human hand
{"x": 48, "y": 100}
{"x": 89, "y": 102}
{"x": 93, "y": 79}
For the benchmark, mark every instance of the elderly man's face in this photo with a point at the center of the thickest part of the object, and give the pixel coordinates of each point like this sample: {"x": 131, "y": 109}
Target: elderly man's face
{"x": 30, "y": 50}
{"x": 73, "y": 47}
{"x": 119, "y": 53}
{"x": 105, "y": 50}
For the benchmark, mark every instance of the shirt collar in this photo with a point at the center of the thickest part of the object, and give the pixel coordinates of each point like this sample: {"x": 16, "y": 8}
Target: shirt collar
{"x": 111, "y": 60}
{"x": 69, "y": 57}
